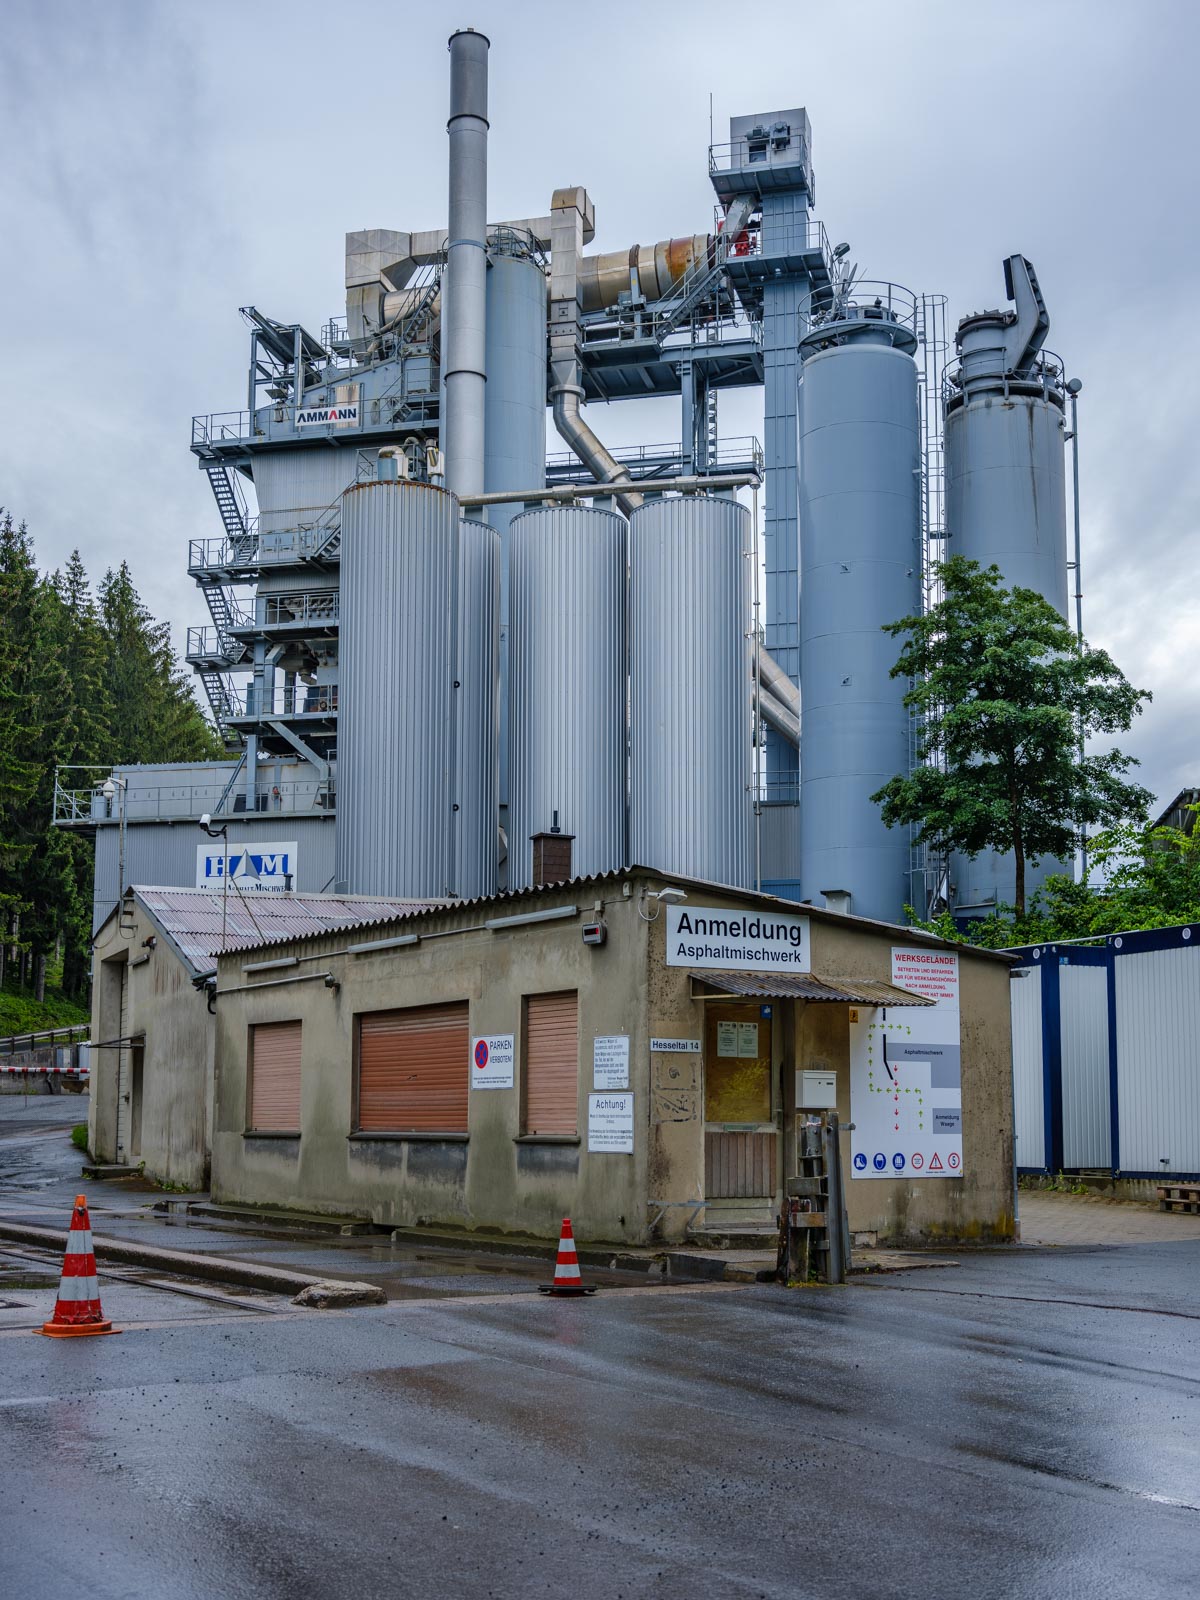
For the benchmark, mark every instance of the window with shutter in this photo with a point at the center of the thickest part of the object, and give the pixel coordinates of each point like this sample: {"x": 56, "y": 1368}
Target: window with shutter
{"x": 413, "y": 1070}
{"x": 275, "y": 1077}
{"x": 550, "y": 1064}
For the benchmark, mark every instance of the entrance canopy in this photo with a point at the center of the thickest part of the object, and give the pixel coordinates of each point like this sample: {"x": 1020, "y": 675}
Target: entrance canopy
{"x": 802, "y": 986}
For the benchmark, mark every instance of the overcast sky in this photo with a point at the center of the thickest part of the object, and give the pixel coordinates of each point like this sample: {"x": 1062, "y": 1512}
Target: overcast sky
{"x": 166, "y": 163}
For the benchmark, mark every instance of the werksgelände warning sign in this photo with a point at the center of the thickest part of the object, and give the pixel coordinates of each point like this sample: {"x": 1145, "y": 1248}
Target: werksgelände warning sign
{"x": 906, "y": 1075}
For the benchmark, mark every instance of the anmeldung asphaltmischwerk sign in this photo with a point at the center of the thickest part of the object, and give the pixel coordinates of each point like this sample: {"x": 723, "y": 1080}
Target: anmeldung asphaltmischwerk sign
{"x": 754, "y": 941}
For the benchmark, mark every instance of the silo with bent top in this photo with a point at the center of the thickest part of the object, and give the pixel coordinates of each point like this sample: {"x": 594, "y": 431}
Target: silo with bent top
{"x": 567, "y": 682}
{"x": 691, "y": 721}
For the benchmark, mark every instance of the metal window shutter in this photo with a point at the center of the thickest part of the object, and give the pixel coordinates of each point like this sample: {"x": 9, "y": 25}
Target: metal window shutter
{"x": 413, "y": 1072}
{"x": 275, "y": 1077}
{"x": 550, "y": 1075}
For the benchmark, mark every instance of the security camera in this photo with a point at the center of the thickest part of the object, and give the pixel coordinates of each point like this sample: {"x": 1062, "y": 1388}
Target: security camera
{"x": 205, "y": 820}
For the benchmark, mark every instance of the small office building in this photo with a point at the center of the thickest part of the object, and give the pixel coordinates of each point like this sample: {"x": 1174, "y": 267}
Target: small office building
{"x": 153, "y": 1024}
{"x": 631, "y": 1050}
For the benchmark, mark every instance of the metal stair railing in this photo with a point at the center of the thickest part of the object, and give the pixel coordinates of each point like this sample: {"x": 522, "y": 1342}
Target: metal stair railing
{"x": 691, "y": 289}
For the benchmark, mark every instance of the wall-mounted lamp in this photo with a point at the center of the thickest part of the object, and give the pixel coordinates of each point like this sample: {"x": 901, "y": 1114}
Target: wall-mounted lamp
{"x": 670, "y": 896}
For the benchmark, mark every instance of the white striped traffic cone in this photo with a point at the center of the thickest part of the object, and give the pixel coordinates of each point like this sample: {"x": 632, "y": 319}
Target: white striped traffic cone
{"x": 77, "y": 1311}
{"x": 566, "y": 1268}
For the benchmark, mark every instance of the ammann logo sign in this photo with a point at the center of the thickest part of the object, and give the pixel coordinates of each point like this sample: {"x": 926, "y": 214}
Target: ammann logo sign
{"x": 323, "y": 416}
{"x": 706, "y": 936}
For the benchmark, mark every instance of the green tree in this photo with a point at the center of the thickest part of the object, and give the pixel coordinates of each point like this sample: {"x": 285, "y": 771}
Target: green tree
{"x": 18, "y": 717}
{"x": 154, "y": 714}
{"x": 1003, "y": 692}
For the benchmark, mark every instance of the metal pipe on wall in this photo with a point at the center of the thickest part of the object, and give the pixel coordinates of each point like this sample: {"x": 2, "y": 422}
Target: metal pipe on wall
{"x": 465, "y": 285}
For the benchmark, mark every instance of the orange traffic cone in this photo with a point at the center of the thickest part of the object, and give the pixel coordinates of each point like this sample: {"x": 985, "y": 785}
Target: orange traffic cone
{"x": 566, "y": 1268}
{"x": 77, "y": 1311}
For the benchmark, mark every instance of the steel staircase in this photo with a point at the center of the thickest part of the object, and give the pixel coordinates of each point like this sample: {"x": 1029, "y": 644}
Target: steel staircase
{"x": 692, "y": 288}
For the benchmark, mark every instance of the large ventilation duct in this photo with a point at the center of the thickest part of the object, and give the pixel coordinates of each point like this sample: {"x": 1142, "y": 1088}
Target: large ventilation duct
{"x": 567, "y": 580}
{"x": 860, "y": 568}
{"x": 690, "y": 716}
{"x": 600, "y": 462}
{"x": 464, "y": 336}
{"x": 1006, "y": 497}
{"x": 650, "y": 270}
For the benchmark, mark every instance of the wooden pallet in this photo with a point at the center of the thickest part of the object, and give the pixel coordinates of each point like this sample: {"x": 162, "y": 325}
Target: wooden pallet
{"x": 1179, "y": 1197}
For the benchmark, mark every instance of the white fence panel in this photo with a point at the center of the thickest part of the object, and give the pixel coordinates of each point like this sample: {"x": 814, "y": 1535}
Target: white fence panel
{"x": 1083, "y": 1012}
{"x": 1158, "y": 1060}
{"x": 1025, "y": 998}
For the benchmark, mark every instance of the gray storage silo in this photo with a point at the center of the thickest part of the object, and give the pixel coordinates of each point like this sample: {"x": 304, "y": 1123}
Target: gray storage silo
{"x": 514, "y": 408}
{"x": 860, "y": 567}
{"x": 567, "y": 666}
{"x": 1006, "y": 496}
{"x": 399, "y": 576}
{"x": 476, "y": 771}
{"x": 690, "y": 713}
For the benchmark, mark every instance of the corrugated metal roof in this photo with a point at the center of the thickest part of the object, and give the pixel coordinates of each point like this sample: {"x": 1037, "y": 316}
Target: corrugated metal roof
{"x": 809, "y": 986}
{"x": 203, "y": 922}
{"x": 617, "y": 874}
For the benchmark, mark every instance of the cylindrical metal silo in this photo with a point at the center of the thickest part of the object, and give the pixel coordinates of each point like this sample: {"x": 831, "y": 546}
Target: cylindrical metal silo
{"x": 1006, "y": 507}
{"x": 567, "y": 664}
{"x": 477, "y": 813}
{"x": 514, "y": 411}
{"x": 860, "y": 567}
{"x": 399, "y": 577}
{"x": 690, "y": 710}
{"x": 1005, "y": 466}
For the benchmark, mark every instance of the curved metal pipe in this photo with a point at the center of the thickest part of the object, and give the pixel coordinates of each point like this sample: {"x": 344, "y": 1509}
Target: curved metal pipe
{"x": 778, "y": 716}
{"x": 777, "y": 683}
{"x": 603, "y": 466}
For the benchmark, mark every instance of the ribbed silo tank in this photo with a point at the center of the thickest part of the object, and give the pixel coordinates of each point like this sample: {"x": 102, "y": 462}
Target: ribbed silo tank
{"x": 691, "y": 724}
{"x": 399, "y": 574}
{"x": 514, "y": 407}
{"x": 476, "y": 818}
{"x": 567, "y": 683}
{"x": 1006, "y": 498}
{"x": 860, "y": 568}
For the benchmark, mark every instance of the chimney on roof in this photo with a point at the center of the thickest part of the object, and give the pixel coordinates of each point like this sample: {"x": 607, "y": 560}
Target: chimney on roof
{"x": 552, "y": 855}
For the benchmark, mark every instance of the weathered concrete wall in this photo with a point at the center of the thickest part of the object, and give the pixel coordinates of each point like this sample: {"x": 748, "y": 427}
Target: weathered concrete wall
{"x": 171, "y": 1135}
{"x": 493, "y": 1178}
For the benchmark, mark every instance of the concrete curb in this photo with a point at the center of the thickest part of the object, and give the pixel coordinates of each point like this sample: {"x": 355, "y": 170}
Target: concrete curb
{"x": 211, "y": 1269}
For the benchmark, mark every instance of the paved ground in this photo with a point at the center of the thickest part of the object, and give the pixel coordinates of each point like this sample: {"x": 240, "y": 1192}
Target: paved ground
{"x": 1027, "y": 1424}
{"x": 1051, "y": 1218}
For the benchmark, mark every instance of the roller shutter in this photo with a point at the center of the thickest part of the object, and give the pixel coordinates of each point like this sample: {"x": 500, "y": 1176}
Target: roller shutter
{"x": 413, "y": 1072}
{"x": 550, "y": 1074}
{"x": 275, "y": 1077}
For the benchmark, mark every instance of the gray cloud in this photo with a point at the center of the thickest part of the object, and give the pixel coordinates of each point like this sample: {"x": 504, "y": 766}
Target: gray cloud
{"x": 166, "y": 164}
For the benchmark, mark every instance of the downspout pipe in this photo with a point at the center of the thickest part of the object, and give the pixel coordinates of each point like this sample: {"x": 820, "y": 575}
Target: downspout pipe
{"x": 464, "y": 329}
{"x": 604, "y": 467}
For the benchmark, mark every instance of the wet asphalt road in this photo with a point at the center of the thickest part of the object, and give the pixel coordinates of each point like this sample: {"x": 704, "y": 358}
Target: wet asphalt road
{"x": 1025, "y": 1425}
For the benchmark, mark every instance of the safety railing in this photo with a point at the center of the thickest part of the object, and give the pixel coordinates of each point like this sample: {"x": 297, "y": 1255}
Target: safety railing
{"x": 225, "y": 555}
{"x": 775, "y": 147}
{"x": 1048, "y": 372}
{"x": 288, "y": 700}
{"x": 80, "y": 800}
{"x": 209, "y": 644}
{"x": 660, "y": 460}
{"x": 318, "y": 608}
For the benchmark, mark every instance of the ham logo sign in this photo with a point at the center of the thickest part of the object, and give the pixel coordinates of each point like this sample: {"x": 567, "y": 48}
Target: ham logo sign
{"x": 323, "y": 416}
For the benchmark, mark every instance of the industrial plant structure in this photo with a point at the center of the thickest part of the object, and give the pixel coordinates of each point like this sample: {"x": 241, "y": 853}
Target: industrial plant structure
{"x": 447, "y": 662}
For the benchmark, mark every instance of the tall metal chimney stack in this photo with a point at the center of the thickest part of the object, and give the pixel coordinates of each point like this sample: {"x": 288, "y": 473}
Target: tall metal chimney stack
{"x": 464, "y": 355}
